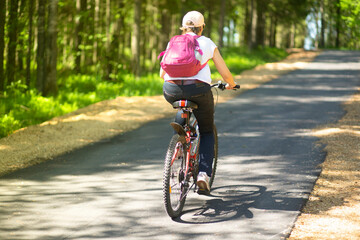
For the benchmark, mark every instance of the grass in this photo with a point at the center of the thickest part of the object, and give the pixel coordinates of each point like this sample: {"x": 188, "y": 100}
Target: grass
{"x": 241, "y": 59}
{"x": 21, "y": 107}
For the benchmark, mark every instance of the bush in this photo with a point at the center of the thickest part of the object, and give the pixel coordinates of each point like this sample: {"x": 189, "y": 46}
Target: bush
{"x": 8, "y": 124}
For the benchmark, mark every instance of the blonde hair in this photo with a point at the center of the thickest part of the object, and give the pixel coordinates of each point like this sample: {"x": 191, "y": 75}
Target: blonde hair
{"x": 188, "y": 28}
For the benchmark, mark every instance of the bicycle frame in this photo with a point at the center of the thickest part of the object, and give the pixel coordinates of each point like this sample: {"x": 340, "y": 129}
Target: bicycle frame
{"x": 191, "y": 156}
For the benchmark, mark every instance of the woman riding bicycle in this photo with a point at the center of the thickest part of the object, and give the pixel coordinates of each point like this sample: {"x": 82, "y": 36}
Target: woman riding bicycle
{"x": 197, "y": 89}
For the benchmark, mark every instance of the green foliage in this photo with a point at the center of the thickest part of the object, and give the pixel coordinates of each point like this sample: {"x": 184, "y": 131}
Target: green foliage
{"x": 351, "y": 16}
{"x": 8, "y": 124}
{"x": 240, "y": 59}
{"x": 22, "y": 108}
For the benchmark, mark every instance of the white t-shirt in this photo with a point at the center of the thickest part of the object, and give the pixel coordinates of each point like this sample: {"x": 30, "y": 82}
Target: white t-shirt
{"x": 208, "y": 47}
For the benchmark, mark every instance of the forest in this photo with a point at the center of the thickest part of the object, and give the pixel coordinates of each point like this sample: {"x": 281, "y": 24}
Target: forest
{"x": 55, "y": 52}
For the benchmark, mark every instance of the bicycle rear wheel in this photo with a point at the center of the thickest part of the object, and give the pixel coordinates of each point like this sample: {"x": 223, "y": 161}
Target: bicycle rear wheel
{"x": 174, "y": 175}
{"x": 214, "y": 164}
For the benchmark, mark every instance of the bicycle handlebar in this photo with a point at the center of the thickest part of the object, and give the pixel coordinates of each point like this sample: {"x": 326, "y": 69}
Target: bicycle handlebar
{"x": 222, "y": 86}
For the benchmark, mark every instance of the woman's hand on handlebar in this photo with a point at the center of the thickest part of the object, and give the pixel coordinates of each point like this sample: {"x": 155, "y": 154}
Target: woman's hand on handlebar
{"x": 231, "y": 86}
{"x": 224, "y": 86}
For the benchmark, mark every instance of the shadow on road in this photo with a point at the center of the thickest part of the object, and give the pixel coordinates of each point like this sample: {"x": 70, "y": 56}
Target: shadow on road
{"x": 228, "y": 203}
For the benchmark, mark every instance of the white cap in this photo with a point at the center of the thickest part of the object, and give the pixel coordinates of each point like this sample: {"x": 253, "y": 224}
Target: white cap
{"x": 195, "y": 17}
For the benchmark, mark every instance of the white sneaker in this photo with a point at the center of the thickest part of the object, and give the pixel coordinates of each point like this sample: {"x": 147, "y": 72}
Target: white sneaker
{"x": 203, "y": 182}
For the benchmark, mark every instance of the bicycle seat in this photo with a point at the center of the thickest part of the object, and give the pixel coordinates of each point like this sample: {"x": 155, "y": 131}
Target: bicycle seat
{"x": 185, "y": 104}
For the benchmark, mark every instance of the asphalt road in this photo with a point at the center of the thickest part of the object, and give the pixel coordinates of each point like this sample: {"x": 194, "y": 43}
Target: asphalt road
{"x": 268, "y": 164}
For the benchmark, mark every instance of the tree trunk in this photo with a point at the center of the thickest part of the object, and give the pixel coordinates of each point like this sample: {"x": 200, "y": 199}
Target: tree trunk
{"x": 96, "y": 25}
{"x": 115, "y": 43}
{"x": 68, "y": 40}
{"x": 260, "y": 23}
{"x": 153, "y": 38}
{"x": 143, "y": 40}
{"x": 40, "y": 57}
{"x": 2, "y": 43}
{"x": 322, "y": 31}
{"x": 21, "y": 44}
{"x": 50, "y": 86}
{"x": 338, "y": 20}
{"x": 292, "y": 35}
{"x": 209, "y": 20}
{"x": 165, "y": 28}
{"x": 222, "y": 23}
{"x": 287, "y": 38}
{"x": 81, "y": 11}
{"x": 135, "y": 43}
{"x": 30, "y": 39}
{"x": 108, "y": 50}
{"x": 12, "y": 33}
{"x": 249, "y": 24}
{"x": 108, "y": 24}
{"x": 122, "y": 38}
{"x": 273, "y": 26}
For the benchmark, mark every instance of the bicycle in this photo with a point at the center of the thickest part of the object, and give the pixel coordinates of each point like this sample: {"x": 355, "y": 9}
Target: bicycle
{"x": 182, "y": 160}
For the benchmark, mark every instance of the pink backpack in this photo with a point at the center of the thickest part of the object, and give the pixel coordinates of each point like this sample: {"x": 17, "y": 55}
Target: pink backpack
{"x": 179, "y": 59}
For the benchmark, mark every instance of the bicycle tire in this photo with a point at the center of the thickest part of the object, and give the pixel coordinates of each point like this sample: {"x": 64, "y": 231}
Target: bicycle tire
{"x": 173, "y": 189}
{"x": 214, "y": 164}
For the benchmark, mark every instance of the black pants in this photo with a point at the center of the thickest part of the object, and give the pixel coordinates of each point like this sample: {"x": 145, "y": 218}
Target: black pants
{"x": 201, "y": 94}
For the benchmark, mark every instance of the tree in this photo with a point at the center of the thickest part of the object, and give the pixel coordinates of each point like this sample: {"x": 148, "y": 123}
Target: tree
{"x": 210, "y": 17}
{"x": 81, "y": 6}
{"x": 260, "y": 23}
{"x": 165, "y": 26}
{"x": 2, "y": 43}
{"x": 50, "y": 86}
{"x": 322, "y": 23}
{"x": 222, "y": 22}
{"x": 248, "y": 25}
{"x": 135, "y": 46}
{"x": 13, "y": 34}
{"x": 40, "y": 57}
{"x": 338, "y": 23}
{"x": 21, "y": 43}
{"x": 30, "y": 43}
{"x": 273, "y": 26}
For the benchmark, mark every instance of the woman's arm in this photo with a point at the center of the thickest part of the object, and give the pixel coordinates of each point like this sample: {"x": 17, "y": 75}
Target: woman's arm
{"x": 223, "y": 69}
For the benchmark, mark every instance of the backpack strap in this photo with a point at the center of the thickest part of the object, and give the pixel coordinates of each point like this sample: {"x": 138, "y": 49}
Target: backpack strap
{"x": 161, "y": 54}
{"x": 203, "y": 65}
{"x": 197, "y": 46}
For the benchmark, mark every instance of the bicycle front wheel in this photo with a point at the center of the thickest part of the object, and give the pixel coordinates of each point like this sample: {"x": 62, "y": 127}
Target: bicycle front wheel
{"x": 174, "y": 175}
{"x": 214, "y": 164}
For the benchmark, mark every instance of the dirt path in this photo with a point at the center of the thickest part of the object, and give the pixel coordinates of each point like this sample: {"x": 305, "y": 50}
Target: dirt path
{"x": 323, "y": 214}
